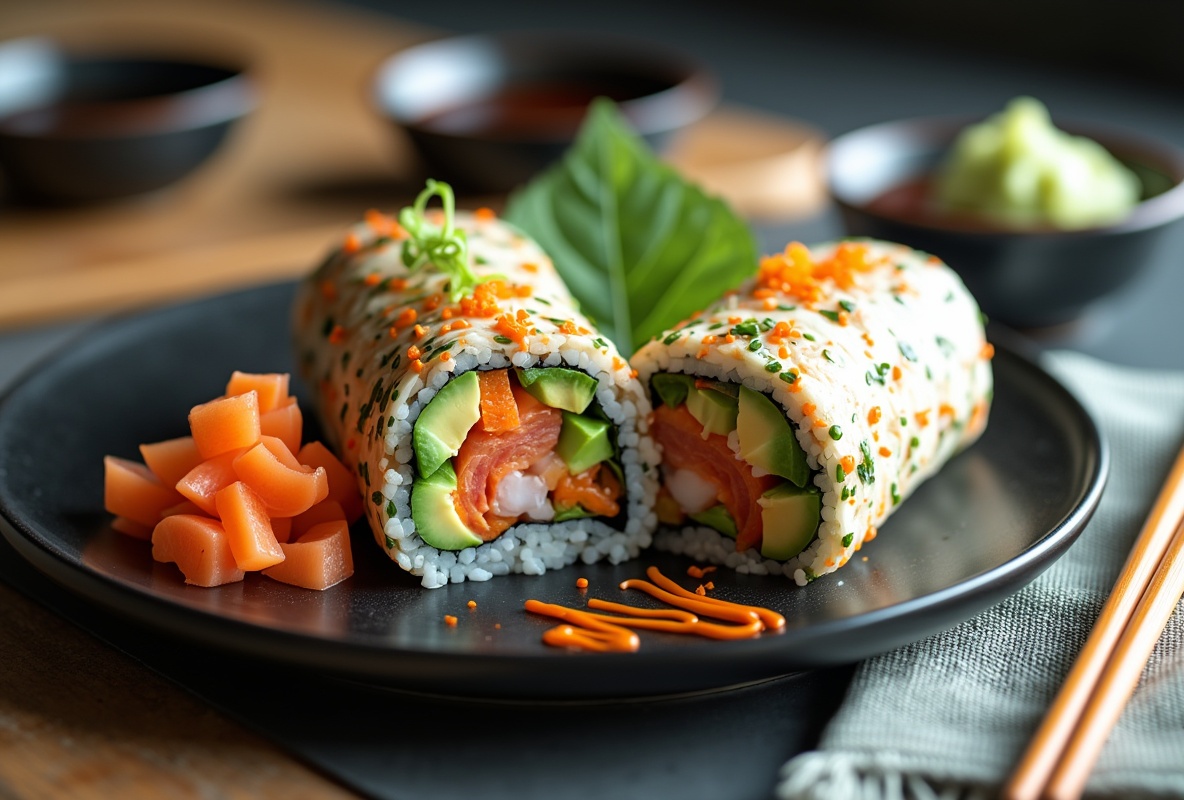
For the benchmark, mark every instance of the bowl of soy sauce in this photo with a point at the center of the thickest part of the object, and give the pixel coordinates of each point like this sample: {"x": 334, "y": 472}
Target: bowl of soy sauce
{"x": 487, "y": 112}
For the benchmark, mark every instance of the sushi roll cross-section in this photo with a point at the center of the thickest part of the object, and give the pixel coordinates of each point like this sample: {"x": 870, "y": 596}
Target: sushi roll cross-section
{"x": 797, "y": 412}
{"x": 491, "y": 428}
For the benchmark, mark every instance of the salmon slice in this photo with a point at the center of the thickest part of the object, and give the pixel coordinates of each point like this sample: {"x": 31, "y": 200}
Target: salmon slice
{"x": 683, "y": 447}
{"x": 485, "y": 458}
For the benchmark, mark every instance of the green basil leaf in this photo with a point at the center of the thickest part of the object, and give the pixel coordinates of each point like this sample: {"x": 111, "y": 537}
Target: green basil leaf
{"x": 639, "y": 246}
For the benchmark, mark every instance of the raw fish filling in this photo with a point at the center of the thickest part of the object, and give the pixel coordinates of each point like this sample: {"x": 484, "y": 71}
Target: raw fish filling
{"x": 499, "y": 447}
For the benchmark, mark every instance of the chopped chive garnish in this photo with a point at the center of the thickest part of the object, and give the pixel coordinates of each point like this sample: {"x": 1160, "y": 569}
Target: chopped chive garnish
{"x": 755, "y": 345}
{"x": 848, "y": 539}
{"x": 503, "y": 339}
{"x": 833, "y": 316}
{"x": 847, "y": 305}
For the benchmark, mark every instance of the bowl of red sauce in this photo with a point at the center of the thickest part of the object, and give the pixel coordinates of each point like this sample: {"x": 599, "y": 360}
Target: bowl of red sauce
{"x": 81, "y": 127}
{"x": 1035, "y": 275}
{"x": 487, "y": 112}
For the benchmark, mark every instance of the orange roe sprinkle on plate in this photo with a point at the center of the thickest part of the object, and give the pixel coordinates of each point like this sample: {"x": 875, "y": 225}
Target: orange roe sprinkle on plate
{"x": 420, "y": 331}
{"x": 922, "y": 417}
{"x": 987, "y": 352}
{"x": 398, "y": 284}
{"x": 446, "y": 327}
{"x": 710, "y": 585}
{"x": 530, "y": 266}
{"x": 450, "y": 620}
{"x": 485, "y": 214}
{"x": 373, "y": 279}
{"x": 445, "y": 356}
{"x": 896, "y": 372}
{"x": 848, "y": 464}
{"x": 447, "y": 313}
{"x": 433, "y": 302}
{"x": 871, "y": 533}
{"x": 710, "y": 339}
{"x": 472, "y": 604}
{"x": 783, "y": 352}
{"x": 808, "y": 409}
{"x": 414, "y": 352}
{"x": 618, "y": 362}
{"x": 461, "y": 324}
{"x": 867, "y": 337}
{"x": 873, "y": 416}
{"x": 728, "y": 339}
{"x": 417, "y": 366}
{"x": 406, "y": 318}
{"x": 568, "y": 327}
{"x": 582, "y": 583}
{"x": 885, "y": 452}
{"x": 946, "y": 410}
{"x": 353, "y": 243}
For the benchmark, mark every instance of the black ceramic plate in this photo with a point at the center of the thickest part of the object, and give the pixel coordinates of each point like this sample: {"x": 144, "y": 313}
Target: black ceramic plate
{"x": 992, "y": 520}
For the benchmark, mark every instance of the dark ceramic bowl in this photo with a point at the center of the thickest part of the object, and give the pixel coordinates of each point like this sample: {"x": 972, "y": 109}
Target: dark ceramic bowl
{"x": 1030, "y": 278}
{"x": 80, "y": 128}
{"x": 487, "y": 112}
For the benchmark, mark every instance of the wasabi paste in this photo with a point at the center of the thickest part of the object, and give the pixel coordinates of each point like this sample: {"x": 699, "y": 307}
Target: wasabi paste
{"x": 1017, "y": 168}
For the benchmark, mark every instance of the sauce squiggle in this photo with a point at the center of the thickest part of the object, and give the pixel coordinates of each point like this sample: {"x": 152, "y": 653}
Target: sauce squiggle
{"x": 588, "y": 630}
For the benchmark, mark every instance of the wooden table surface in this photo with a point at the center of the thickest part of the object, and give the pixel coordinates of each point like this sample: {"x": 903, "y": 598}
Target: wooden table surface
{"x": 78, "y": 718}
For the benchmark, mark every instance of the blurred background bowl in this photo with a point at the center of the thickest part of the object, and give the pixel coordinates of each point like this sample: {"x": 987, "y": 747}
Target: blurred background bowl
{"x": 487, "y": 112}
{"x": 90, "y": 127}
{"x": 1027, "y": 278}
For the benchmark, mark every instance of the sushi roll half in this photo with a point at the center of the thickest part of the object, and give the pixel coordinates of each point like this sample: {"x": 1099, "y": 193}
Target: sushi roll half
{"x": 491, "y": 428}
{"x": 796, "y": 413}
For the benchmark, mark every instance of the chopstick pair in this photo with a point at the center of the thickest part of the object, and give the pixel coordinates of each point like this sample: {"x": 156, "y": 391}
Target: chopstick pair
{"x": 1062, "y": 753}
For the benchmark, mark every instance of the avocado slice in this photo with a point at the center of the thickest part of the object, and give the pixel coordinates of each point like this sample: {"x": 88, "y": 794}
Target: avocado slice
{"x": 434, "y": 511}
{"x": 790, "y": 516}
{"x": 717, "y": 517}
{"x": 672, "y": 387}
{"x": 559, "y": 387}
{"x": 714, "y": 410}
{"x": 767, "y": 439}
{"x": 583, "y": 441}
{"x": 443, "y": 425}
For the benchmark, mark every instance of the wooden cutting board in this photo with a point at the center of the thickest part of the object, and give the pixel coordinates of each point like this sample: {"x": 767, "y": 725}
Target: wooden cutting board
{"x": 311, "y": 159}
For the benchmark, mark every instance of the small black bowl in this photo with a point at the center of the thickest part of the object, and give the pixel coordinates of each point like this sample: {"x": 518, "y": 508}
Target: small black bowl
{"x": 81, "y": 128}
{"x": 1027, "y": 278}
{"x": 487, "y": 112}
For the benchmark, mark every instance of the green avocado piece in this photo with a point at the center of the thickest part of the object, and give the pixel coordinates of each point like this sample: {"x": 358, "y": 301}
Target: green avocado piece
{"x": 559, "y": 387}
{"x": 714, "y": 410}
{"x": 672, "y": 387}
{"x": 790, "y": 517}
{"x": 443, "y": 425}
{"x": 583, "y": 441}
{"x": 767, "y": 439}
{"x": 434, "y": 511}
{"x": 717, "y": 517}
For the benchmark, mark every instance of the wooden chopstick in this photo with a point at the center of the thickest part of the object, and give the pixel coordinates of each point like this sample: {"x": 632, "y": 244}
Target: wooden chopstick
{"x": 1062, "y": 751}
{"x": 1117, "y": 683}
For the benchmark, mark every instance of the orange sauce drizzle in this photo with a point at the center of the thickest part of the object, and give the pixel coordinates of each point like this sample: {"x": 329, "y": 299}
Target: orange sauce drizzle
{"x": 587, "y": 630}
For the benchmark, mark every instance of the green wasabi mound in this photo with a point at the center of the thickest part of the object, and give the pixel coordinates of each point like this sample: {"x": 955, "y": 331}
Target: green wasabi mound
{"x": 1017, "y": 169}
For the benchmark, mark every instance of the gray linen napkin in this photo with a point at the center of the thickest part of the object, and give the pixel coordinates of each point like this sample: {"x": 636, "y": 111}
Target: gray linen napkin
{"x": 949, "y": 716}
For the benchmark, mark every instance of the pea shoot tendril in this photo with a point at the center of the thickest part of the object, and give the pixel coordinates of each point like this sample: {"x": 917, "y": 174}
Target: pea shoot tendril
{"x": 443, "y": 246}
